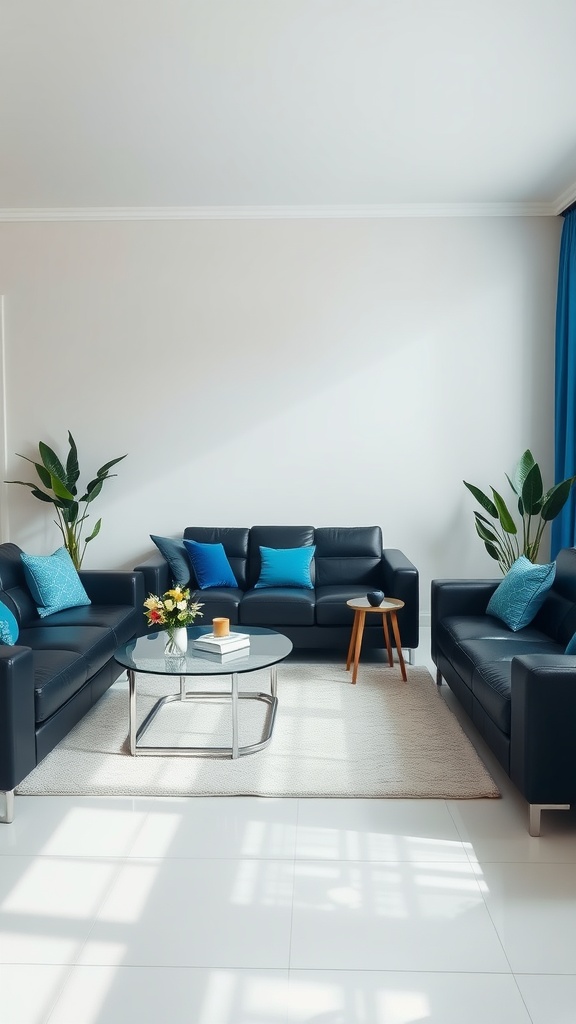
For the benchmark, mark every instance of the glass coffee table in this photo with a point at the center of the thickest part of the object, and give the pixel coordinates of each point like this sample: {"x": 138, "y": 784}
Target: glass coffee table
{"x": 146, "y": 655}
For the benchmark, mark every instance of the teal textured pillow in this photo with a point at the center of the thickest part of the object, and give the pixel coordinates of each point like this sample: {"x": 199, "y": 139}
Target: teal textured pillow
{"x": 522, "y": 593}
{"x": 9, "y": 629}
{"x": 54, "y": 582}
{"x": 175, "y": 554}
{"x": 286, "y": 567}
{"x": 210, "y": 564}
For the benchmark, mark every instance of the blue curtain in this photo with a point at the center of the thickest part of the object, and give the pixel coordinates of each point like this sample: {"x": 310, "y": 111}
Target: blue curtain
{"x": 564, "y": 526}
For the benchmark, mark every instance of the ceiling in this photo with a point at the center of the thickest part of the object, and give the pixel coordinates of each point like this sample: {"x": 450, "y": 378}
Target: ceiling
{"x": 382, "y": 105}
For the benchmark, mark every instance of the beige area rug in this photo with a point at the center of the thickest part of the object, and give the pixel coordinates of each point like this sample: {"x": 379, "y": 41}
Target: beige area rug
{"x": 380, "y": 738}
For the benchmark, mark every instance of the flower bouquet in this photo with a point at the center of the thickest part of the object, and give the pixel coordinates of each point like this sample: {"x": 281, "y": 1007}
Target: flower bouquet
{"x": 174, "y": 611}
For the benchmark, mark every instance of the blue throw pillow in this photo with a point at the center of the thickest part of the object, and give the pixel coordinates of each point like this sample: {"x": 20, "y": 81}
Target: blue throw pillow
{"x": 286, "y": 567}
{"x": 9, "y": 629}
{"x": 175, "y": 554}
{"x": 522, "y": 593}
{"x": 210, "y": 564}
{"x": 54, "y": 582}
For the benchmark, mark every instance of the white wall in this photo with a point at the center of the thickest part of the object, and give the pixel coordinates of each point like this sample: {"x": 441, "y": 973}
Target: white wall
{"x": 324, "y": 372}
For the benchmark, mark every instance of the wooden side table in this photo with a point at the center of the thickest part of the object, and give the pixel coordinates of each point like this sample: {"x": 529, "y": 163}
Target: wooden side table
{"x": 387, "y": 609}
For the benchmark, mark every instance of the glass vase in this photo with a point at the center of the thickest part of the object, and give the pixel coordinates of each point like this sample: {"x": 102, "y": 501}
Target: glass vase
{"x": 176, "y": 641}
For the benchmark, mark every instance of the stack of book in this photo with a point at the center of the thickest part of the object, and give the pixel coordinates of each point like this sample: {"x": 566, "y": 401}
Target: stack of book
{"x": 222, "y": 648}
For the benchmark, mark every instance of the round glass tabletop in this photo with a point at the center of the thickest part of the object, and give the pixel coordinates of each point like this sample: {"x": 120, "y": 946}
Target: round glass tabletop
{"x": 146, "y": 654}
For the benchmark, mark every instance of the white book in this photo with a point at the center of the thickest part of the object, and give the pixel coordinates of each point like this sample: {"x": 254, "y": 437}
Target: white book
{"x": 221, "y": 658}
{"x": 209, "y": 642}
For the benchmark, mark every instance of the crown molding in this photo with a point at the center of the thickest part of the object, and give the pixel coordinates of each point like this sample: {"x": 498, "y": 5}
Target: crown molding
{"x": 566, "y": 199}
{"x": 353, "y": 212}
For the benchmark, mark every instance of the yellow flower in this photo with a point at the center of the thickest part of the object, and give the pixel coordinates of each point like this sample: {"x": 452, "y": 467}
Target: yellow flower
{"x": 152, "y": 602}
{"x": 169, "y": 604}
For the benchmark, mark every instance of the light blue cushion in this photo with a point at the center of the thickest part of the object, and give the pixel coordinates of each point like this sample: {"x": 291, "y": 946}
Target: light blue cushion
{"x": 571, "y": 648}
{"x": 210, "y": 564}
{"x": 175, "y": 554}
{"x": 522, "y": 593}
{"x": 286, "y": 567}
{"x": 54, "y": 582}
{"x": 9, "y": 629}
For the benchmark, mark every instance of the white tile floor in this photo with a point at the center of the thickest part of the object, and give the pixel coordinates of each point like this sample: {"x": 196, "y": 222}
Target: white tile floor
{"x": 251, "y": 911}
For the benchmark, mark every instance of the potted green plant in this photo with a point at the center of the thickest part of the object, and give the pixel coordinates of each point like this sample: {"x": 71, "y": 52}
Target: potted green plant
{"x": 503, "y": 539}
{"x": 61, "y": 491}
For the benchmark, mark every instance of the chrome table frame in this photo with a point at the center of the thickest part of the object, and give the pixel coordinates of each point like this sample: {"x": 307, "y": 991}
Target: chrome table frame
{"x": 234, "y": 696}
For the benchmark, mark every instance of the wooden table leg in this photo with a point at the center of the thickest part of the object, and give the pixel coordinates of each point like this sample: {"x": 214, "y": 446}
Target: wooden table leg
{"x": 358, "y": 644}
{"x": 387, "y": 638}
{"x": 398, "y": 643}
{"x": 352, "y": 641}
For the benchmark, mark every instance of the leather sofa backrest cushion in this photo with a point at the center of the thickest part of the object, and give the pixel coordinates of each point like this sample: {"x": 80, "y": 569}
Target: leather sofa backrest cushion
{"x": 348, "y": 555}
{"x": 276, "y": 537}
{"x": 234, "y": 540}
{"x": 557, "y": 617}
{"x": 14, "y": 590}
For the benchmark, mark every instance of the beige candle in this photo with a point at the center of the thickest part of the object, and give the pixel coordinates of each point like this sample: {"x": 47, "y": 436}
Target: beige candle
{"x": 221, "y": 627}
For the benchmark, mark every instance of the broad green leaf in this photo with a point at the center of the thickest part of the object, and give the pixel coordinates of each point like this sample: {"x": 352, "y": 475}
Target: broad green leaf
{"x": 512, "y": 485}
{"x": 40, "y": 469}
{"x": 483, "y": 499}
{"x": 60, "y": 490}
{"x": 103, "y": 471}
{"x": 491, "y": 551}
{"x": 523, "y": 467}
{"x": 52, "y": 462}
{"x": 506, "y": 521}
{"x": 72, "y": 467}
{"x": 486, "y": 533}
{"x": 554, "y": 500}
{"x": 532, "y": 491}
{"x": 93, "y": 490}
{"x": 95, "y": 531}
{"x": 41, "y": 496}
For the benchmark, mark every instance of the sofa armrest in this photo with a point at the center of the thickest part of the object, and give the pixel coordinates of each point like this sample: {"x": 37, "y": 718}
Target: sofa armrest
{"x": 457, "y": 597}
{"x": 543, "y": 727}
{"x": 155, "y": 573}
{"x": 460, "y": 597}
{"x": 400, "y": 580}
{"x": 113, "y": 586}
{"x": 17, "y": 715}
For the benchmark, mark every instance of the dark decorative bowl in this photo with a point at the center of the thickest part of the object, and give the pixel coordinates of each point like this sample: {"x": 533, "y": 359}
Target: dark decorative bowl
{"x": 375, "y": 597}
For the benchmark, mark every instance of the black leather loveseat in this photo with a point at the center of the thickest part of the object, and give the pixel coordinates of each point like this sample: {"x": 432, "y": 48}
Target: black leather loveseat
{"x": 348, "y": 562}
{"x": 519, "y": 688}
{"x": 60, "y": 665}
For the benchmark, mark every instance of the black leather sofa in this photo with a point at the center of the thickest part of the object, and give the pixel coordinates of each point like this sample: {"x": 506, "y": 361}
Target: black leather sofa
{"x": 348, "y": 562}
{"x": 518, "y": 688}
{"x": 61, "y": 664}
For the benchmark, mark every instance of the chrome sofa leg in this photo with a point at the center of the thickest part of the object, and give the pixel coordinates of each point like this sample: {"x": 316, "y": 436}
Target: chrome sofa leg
{"x": 411, "y": 653}
{"x": 535, "y": 811}
{"x": 438, "y": 677}
{"x": 6, "y": 818}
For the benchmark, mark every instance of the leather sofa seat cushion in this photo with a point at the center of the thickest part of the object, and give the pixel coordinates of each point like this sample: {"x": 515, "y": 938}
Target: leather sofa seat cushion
{"x": 94, "y": 643}
{"x": 332, "y": 610}
{"x": 278, "y": 606}
{"x": 470, "y": 640}
{"x": 58, "y": 675}
{"x": 121, "y": 619}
